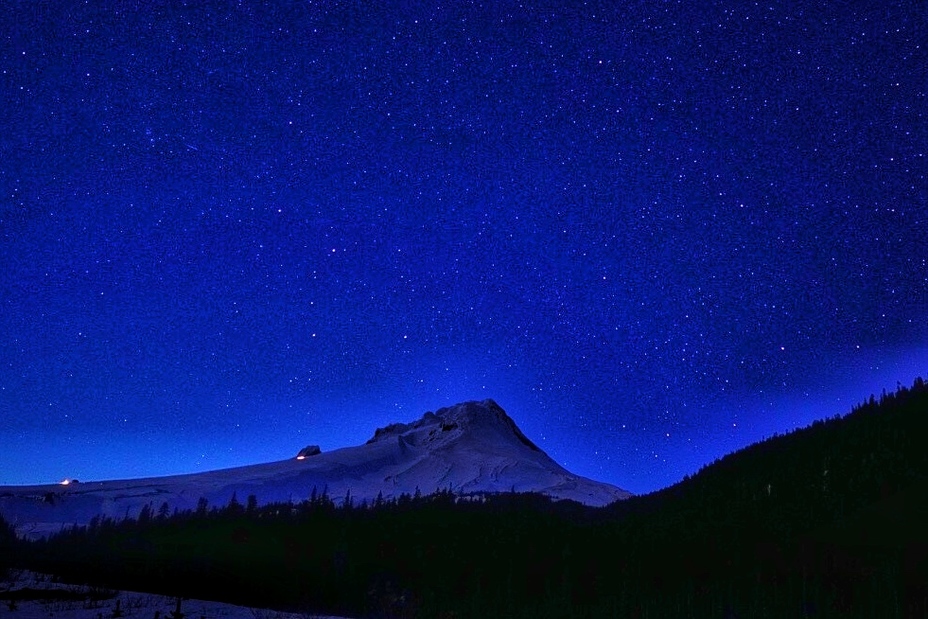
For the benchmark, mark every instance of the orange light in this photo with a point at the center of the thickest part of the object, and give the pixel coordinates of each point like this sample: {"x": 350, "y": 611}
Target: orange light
{"x": 65, "y": 482}
{"x": 301, "y": 457}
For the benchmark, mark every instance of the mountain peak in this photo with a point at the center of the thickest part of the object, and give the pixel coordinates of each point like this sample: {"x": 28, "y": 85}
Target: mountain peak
{"x": 484, "y": 412}
{"x": 470, "y": 448}
{"x": 472, "y": 417}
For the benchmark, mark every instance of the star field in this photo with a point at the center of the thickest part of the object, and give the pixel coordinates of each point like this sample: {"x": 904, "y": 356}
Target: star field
{"x": 653, "y": 232}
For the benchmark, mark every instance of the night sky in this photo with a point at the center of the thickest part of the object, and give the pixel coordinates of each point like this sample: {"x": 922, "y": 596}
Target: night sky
{"x": 653, "y": 232}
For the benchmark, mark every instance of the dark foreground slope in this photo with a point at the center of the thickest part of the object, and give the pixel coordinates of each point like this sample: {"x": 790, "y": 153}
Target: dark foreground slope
{"x": 824, "y": 522}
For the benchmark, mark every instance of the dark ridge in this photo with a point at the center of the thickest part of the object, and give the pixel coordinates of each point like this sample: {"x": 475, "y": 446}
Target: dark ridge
{"x": 826, "y": 521}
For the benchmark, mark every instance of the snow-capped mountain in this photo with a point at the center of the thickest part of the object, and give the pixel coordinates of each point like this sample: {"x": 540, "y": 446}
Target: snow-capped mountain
{"x": 469, "y": 448}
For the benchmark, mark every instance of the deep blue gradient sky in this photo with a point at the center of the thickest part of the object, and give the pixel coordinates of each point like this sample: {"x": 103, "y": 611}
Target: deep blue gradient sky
{"x": 654, "y": 232}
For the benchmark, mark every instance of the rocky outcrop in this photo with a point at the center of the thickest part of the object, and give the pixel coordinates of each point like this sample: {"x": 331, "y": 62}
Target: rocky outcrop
{"x": 309, "y": 450}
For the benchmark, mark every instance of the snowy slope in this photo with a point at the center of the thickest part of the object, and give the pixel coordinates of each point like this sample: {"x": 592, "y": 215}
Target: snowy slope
{"x": 468, "y": 448}
{"x": 36, "y": 596}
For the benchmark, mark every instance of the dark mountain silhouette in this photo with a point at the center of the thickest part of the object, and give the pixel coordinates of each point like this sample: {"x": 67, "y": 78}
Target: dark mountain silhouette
{"x": 827, "y": 521}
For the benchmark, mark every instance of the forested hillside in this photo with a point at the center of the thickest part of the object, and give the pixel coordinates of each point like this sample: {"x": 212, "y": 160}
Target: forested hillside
{"x": 824, "y": 522}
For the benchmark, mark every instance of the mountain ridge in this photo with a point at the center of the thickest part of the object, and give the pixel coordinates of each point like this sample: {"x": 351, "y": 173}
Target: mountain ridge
{"x": 469, "y": 448}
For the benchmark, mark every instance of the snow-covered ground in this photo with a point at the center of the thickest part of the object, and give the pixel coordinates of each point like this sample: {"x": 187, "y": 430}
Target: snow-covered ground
{"x": 26, "y": 595}
{"x": 470, "y": 448}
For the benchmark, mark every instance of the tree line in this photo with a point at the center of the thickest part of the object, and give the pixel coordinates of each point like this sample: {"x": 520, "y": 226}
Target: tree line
{"x": 826, "y": 521}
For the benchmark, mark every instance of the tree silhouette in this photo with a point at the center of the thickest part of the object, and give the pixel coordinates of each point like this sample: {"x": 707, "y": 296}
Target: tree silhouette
{"x": 826, "y": 521}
